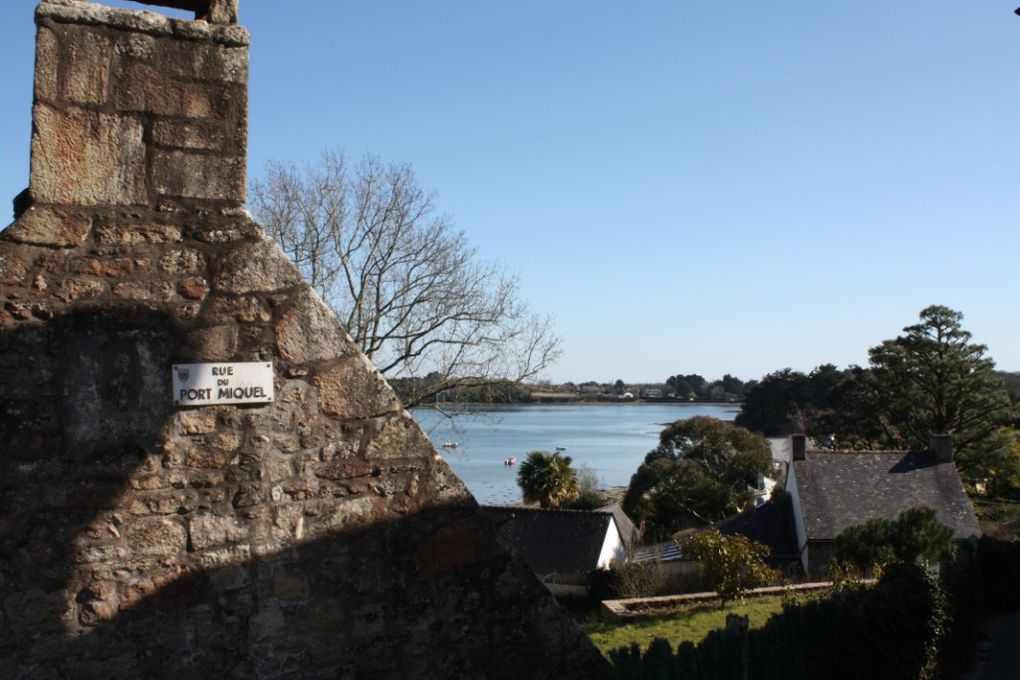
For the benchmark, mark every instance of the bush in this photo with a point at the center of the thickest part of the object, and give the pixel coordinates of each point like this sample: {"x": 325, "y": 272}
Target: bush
{"x": 633, "y": 579}
{"x": 999, "y": 564}
{"x": 909, "y": 625}
{"x": 914, "y": 536}
{"x": 733, "y": 563}
{"x": 961, "y": 581}
{"x": 887, "y": 632}
{"x": 589, "y": 491}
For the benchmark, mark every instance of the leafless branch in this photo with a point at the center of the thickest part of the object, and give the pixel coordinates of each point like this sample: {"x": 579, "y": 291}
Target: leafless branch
{"x": 410, "y": 288}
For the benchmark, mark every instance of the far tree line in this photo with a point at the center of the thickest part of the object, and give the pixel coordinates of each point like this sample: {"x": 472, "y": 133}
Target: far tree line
{"x": 930, "y": 380}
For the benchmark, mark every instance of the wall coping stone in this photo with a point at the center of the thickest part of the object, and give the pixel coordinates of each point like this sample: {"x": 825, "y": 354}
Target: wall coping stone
{"x": 141, "y": 21}
{"x": 635, "y": 608}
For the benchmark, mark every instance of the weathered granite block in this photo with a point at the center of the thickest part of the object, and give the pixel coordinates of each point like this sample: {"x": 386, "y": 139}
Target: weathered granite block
{"x": 143, "y": 88}
{"x": 326, "y": 341}
{"x": 86, "y": 72}
{"x": 208, "y": 531}
{"x": 191, "y": 135}
{"x": 255, "y": 267}
{"x": 191, "y": 175}
{"x": 84, "y": 157}
{"x": 206, "y": 62}
{"x": 51, "y": 227}
{"x": 353, "y": 389}
{"x": 133, "y": 234}
{"x": 47, "y": 64}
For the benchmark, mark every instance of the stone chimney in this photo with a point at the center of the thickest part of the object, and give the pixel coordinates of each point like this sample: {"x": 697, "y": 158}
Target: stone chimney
{"x": 311, "y": 532}
{"x": 798, "y": 446}
{"x": 942, "y": 446}
{"x": 136, "y": 109}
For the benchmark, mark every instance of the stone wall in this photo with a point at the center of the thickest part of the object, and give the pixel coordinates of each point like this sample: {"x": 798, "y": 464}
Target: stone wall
{"x": 318, "y": 536}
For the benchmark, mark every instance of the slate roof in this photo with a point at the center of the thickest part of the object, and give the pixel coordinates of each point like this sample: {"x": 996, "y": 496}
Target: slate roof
{"x": 553, "y": 541}
{"x": 838, "y": 490}
{"x": 658, "y": 552}
{"x": 771, "y": 524}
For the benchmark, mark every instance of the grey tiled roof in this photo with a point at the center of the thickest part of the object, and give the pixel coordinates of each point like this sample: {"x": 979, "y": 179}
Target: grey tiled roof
{"x": 553, "y": 541}
{"x": 771, "y": 524}
{"x": 658, "y": 552}
{"x": 838, "y": 490}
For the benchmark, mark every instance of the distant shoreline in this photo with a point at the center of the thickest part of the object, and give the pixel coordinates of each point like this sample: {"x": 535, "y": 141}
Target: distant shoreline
{"x": 559, "y": 397}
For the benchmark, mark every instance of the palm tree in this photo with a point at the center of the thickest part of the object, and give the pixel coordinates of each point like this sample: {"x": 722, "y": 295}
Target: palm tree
{"x": 547, "y": 478}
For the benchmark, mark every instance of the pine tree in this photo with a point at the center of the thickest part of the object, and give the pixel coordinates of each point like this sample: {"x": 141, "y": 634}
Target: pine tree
{"x": 933, "y": 380}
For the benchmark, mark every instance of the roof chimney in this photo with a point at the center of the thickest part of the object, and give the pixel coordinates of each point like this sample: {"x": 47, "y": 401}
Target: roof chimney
{"x": 942, "y": 445}
{"x": 798, "y": 443}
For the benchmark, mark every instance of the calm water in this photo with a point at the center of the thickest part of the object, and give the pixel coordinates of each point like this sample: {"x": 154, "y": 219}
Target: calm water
{"x": 611, "y": 439}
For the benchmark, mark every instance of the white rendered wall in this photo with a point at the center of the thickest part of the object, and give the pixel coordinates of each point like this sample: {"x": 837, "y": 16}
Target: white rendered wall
{"x": 613, "y": 549}
{"x": 798, "y": 516}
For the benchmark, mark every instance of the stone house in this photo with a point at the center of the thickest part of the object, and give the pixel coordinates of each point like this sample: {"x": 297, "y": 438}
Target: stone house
{"x": 832, "y": 490}
{"x": 563, "y": 546}
{"x": 769, "y": 523}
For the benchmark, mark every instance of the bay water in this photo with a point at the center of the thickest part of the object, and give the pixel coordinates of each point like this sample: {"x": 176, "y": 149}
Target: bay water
{"x": 610, "y": 439}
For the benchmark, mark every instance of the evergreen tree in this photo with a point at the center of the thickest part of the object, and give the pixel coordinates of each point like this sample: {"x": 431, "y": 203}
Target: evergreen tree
{"x": 703, "y": 470}
{"x": 933, "y": 380}
{"x": 915, "y": 536}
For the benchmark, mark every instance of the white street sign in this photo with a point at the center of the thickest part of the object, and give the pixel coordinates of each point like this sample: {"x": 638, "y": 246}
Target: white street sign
{"x": 237, "y": 383}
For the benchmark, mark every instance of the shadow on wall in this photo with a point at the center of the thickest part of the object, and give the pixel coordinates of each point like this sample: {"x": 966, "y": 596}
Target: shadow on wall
{"x": 123, "y": 554}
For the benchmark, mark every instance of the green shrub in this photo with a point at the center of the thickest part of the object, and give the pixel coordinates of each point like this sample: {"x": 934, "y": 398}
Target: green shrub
{"x": 733, "y": 563}
{"x": 914, "y": 536}
{"x": 890, "y": 631}
{"x": 999, "y": 563}
{"x": 631, "y": 579}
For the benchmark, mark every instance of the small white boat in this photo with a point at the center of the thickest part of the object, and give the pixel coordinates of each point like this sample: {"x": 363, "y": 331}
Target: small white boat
{"x": 510, "y": 461}
{"x": 450, "y": 445}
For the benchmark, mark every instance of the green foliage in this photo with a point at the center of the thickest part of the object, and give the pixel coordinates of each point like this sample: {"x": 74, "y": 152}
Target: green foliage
{"x": 961, "y": 581}
{"x": 547, "y": 478}
{"x": 999, "y": 563}
{"x": 631, "y": 579}
{"x": 690, "y": 622}
{"x": 915, "y": 536}
{"x": 497, "y": 392}
{"x": 930, "y": 380}
{"x": 589, "y": 491}
{"x": 694, "y": 386}
{"x": 776, "y": 405}
{"x": 732, "y": 563}
{"x": 1003, "y": 474}
{"x": 703, "y": 470}
{"x": 891, "y": 631}
{"x": 933, "y": 380}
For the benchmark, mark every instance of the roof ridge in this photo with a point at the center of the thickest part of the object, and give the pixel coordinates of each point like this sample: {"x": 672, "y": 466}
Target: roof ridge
{"x": 853, "y": 452}
{"x": 565, "y": 511}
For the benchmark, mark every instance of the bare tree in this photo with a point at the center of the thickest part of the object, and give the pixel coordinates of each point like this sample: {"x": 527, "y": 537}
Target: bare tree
{"x": 410, "y": 289}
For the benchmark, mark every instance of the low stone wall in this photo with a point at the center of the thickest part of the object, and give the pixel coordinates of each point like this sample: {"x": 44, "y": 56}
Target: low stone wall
{"x": 637, "y": 608}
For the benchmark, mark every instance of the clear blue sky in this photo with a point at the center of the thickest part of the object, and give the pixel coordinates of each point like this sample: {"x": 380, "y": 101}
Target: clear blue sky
{"x": 688, "y": 187}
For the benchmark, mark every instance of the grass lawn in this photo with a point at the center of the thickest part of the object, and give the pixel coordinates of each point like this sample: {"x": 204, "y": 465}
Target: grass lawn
{"x": 1000, "y": 518}
{"x": 688, "y": 622}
